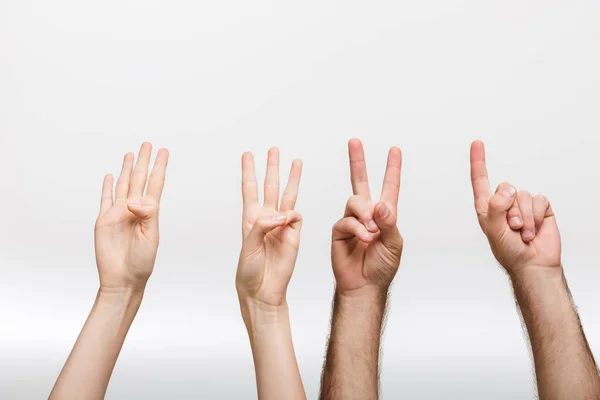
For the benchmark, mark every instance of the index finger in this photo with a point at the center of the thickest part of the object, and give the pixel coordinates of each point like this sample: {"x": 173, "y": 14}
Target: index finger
{"x": 249, "y": 184}
{"x": 479, "y": 177}
{"x": 358, "y": 168}
{"x": 156, "y": 182}
{"x": 391, "y": 179}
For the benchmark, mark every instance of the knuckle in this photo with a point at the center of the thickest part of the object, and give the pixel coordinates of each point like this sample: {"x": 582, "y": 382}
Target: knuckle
{"x": 523, "y": 194}
{"x": 497, "y": 202}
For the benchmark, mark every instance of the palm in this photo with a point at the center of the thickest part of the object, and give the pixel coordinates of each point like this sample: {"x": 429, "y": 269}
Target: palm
{"x": 123, "y": 251}
{"x": 270, "y": 247}
{"x": 269, "y": 268}
{"x": 126, "y": 233}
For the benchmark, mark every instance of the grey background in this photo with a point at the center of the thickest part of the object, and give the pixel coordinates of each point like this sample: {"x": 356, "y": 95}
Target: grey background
{"x": 81, "y": 83}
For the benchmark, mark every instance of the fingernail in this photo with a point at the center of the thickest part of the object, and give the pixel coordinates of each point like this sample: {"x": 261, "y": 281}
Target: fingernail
{"x": 383, "y": 211}
{"x": 515, "y": 221}
{"x": 508, "y": 191}
{"x": 372, "y": 225}
{"x": 365, "y": 235}
{"x": 134, "y": 205}
{"x": 280, "y": 218}
{"x": 527, "y": 235}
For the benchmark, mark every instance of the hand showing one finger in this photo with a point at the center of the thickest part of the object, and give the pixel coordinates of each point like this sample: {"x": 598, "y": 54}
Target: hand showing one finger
{"x": 521, "y": 229}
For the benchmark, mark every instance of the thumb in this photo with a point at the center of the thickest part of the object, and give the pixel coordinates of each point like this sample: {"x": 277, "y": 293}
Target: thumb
{"x": 386, "y": 221}
{"x": 261, "y": 227}
{"x": 502, "y": 201}
{"x": 147, "y": 214}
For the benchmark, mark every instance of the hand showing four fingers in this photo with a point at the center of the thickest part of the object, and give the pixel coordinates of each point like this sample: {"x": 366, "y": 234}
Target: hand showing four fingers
{"x": 126, "y": 232}
{"x": 270, "y": 233}
{"x": 366, "y": 244}
{"x": 521, "y": 229}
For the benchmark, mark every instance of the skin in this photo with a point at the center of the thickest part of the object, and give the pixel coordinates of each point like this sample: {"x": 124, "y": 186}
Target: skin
{"x": 271, "y": 238}
{"x": 365, "y": 254}
{"x": 126, "y": 241}
{"x": 524, "y": 238}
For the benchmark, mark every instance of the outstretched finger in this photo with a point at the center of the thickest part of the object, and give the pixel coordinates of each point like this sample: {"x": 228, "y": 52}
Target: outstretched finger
{"x": 156, "y": 182}
{"x": 106, "y": 201}
{"x": 391, "y": 180}
{"x": 480, "y": 181}
{"x": 140, "y": 171}
{"x": 272, "y": 179}
{"x": 290, "y": 194}
{"x": 249, "y": 183}
{"x": 122, "y": 187}
{"x": 358, "y": 168}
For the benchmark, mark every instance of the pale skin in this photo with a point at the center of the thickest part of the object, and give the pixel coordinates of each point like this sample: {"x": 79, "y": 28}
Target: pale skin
{"x": 270, "y": 243}
{"x": 126, "y": 242}
{"x": 524, "y": 237}
{"x": 365, "y": 254}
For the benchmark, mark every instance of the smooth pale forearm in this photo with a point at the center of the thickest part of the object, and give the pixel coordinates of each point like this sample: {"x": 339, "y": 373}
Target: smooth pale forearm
{"x": 87, "y": 371}
{"x": 352, "y": 364}
{"x": 277, "y": 373}
{"x": 564, "y": 365}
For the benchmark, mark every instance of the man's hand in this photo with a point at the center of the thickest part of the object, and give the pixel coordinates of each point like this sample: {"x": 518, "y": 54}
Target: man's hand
{"x": 366, "y": 244}
{"x": 365, "y": 253}
{"x": 521, "y": 229}
{"x": 524, "y": 238}
{"x": 271, "y": 233}
{"x": 126, "y": 233}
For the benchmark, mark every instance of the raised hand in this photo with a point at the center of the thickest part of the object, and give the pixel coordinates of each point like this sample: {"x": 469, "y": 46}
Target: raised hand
{"x": 126, "y": 233}
{"x": 126, "y": 238}
{"x": 366, "y": 243}
{"x": 365, "y": 253}
{"x": 271, "y": 233}
{"x": 270, "y": 241}
{"x": 521, "y": 229}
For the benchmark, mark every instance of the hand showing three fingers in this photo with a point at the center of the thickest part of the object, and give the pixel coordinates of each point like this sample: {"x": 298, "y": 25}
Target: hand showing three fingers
{"x": 366, "y": 243}
{"x": 521, "y": 229}
{"x": 271, "y": 233}
{"x": 126, "y": 233}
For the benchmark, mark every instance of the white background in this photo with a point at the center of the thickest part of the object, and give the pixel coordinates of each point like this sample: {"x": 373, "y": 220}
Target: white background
{"x": 82, "y": 83}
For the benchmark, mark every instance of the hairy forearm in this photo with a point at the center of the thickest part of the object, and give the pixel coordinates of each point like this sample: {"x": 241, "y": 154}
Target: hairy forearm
{"x": 88, "y": 369}
{"x": 277, "y": 373}
{"x": 564, "y": 365}
{"x": 351, "y": 368}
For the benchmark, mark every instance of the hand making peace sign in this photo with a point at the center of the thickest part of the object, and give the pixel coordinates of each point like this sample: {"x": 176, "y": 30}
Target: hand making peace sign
{"x": 366, "y": 244}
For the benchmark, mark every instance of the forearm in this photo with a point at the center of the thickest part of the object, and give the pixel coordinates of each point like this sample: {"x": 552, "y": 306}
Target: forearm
{"x": 87, "y": 371}
{"x": 352, "y": 363}
{"x": 277, "y": 373}
{"x": 564, "y": 364}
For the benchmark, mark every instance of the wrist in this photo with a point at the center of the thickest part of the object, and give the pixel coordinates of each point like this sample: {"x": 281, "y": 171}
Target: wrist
{"x": 120, "y": 297}
{"x": 366, "y": 301}
{"x": 535, "y": 273}
{"x": 367, "y": 292}
{"x": 258, "y": 313}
